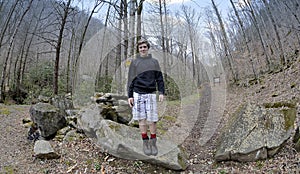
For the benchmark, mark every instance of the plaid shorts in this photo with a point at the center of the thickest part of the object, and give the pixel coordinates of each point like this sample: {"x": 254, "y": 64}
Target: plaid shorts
{"x": 145, "y": 107}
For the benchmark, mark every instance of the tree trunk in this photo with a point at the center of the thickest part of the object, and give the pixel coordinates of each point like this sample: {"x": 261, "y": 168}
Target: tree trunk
{"x": 7, "y": 21}
{"x": 3, "y": 75}
{"x": 139, "y": 20}
{"x": 58, "y": 47}
{"x": 262, "y": 41}
{"x": 225, "y": 43}
{"x": 295, "y": 14}
{"x": 126, "y": 37}
{"x": 29, "y": 45}
{"x": 282, "y": 56}
{"x": 102, "y": 48}
{"x": 162, "y": 30}
{"x": 83, "y": 35}
{"x": 166, "y": 27}
{"x": 18, "y": 67}
{"x": 118, "y": 67}
{"x": 69, "y": 89}
{"x": 244, "y": 38}
{"x": 132, "y": 8}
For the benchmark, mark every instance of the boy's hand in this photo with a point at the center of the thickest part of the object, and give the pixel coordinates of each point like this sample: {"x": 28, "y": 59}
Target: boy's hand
{"x": 161, "y": 97}
{"x": 130, "y": 102}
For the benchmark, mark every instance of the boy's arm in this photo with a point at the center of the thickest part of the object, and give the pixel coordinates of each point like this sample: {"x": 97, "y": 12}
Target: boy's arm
{"x": 130, "y": 102}
{"x": 131, "y": 74}
{"x": 160, "y": 83}
{"x": 161, "y": 86}
{"x": 159, "y": 80}
{"x": 161, "y": 97}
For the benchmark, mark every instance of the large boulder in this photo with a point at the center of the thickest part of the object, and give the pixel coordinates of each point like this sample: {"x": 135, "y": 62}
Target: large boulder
{"x": 48, "y": 119}
{"x": 89, "y": 119}
{"x": 125, "y": 142}
{"x": 256, "y": 132}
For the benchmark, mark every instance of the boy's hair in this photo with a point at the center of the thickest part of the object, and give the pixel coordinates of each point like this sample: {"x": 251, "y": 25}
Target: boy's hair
{"x": 143, "y": 41}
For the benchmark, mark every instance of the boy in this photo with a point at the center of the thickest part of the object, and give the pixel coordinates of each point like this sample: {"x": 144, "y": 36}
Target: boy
{"x": 144, "y": 78}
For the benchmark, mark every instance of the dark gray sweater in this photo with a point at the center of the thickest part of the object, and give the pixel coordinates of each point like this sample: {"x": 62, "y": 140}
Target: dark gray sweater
{"x": 145, "y": 76}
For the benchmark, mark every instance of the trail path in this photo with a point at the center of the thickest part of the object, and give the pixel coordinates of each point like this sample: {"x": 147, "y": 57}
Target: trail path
{"x": 16, "y": 151}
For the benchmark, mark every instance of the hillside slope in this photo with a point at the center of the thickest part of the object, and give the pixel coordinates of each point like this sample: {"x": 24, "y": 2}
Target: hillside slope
{"x": 273, "y": 87}
{"x": 82, "y": 156}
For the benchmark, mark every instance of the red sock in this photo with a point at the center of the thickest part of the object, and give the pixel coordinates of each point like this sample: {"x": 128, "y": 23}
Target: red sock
{"x": 153, "y": 135}
{"x": 144, "y": 136}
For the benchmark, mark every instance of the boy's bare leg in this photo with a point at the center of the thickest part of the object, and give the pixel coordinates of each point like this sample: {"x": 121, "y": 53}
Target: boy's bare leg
{"x": 143, "y": 126}
{"x": 152, "y": 128}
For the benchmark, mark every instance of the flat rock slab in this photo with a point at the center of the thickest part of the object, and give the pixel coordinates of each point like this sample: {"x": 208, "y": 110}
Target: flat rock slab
{"x": 125, "y": 142}
{"x": 256, "y": 132}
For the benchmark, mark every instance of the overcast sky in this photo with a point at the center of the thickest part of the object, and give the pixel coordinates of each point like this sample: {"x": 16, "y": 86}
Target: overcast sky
{"x": 221, "y": 4}
{"x": 173, "y": 5}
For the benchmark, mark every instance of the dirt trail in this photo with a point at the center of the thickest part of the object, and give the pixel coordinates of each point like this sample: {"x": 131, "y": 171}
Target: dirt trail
{"x": 16, "y": 151}
{"x": 201, "y": 143}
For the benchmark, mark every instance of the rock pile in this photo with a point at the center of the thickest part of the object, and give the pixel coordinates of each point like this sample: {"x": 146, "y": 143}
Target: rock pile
{"x": 113, "y": 107}
{"x": 107, "y": 122}
{"x": 51, "y": 118}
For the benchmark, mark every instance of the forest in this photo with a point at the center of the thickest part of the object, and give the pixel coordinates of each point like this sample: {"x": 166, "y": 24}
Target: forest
{"x": 41, "y": 42}
{"x": 77, "y": 50}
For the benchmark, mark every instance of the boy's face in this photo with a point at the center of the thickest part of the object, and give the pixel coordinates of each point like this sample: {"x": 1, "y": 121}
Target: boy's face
{"x": 143, "y": 50}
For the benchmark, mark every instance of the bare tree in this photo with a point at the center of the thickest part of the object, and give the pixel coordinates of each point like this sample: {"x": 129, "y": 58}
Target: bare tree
{"x": 66, "y": 11}
{"x": 12, "y": 38}
{"x": 225, "y": 42}
{"x": 19, "y": 62}
{"x": 132, "y": 17}
{"x": 290, "y": 8}
{"x": 94, "y": 10}
{"x": 7, "y": 21}
{"x": 244, "y": 37}
{"x": 253, "y": 17}
{"x": 282, "y": 56}
{"x": 192, "y": 22}
{"x": 139, "y": 20}
{"x": 162, "y": 31}
{"x": 123, "y": 42}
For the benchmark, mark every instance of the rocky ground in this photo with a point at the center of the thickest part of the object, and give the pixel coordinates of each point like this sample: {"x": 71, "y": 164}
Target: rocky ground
{"x": 83, "y": 156}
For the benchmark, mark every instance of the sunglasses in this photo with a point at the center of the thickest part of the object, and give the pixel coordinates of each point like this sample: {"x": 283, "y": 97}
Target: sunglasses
{"x": 143, "y": 47}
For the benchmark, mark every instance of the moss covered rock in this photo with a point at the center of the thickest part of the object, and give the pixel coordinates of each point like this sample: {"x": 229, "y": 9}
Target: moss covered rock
{"x": 256, "y": 131}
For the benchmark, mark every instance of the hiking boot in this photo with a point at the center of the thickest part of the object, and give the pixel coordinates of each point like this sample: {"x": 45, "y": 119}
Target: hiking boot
{"x": 146, "y": 147}
{"x": 153, "y": 146}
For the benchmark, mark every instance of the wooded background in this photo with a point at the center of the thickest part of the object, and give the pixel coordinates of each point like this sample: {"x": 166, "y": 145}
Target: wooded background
{"x": 41, "y": 41}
